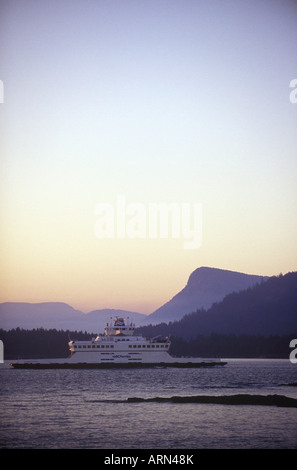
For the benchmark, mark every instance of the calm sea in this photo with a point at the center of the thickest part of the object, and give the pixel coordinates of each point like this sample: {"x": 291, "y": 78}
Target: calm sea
{"x": 78, "y": 409}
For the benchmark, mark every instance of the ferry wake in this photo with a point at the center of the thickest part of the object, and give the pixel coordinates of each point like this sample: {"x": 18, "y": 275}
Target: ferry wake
{"x": 118, "y": 347}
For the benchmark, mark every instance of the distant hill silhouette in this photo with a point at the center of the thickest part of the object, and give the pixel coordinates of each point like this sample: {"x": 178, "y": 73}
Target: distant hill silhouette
{"x": 36, "y": 315}
{"x": 96, "y": 319}
{"x": 204, "y": 287}
{"x": 58, "y": 315}
{"x": 269, "y": 308}
{"x": 257, "y": 322}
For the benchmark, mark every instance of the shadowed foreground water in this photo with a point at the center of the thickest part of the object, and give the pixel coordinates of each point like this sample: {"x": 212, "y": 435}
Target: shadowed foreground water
{"x": 246, "y": 404}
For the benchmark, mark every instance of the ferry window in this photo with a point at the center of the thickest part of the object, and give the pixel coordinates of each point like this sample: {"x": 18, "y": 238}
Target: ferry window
{"x": 102, "y": 346}
{"x": 93, "y": 347}
{"x": 112, "y": 346}
{"x": 143, "y": 345}
{"x": 153, "y": 345}
{"x": 134, "y": 346}
{"x": 107, "y": 346}
{"x": 130, "y": 346}
{"x": 139, "y": 346}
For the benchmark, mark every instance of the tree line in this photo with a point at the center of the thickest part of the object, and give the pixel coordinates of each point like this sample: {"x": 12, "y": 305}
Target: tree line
{"x": 41, "y": 343}
{"x": 234, "y": 346}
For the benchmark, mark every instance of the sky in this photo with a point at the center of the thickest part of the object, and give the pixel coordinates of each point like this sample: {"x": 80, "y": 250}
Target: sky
{"x": 131, "y": 103}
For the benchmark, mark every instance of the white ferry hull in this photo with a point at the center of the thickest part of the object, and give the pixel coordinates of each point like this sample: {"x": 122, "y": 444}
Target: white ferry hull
{"x": 118, "y": 348}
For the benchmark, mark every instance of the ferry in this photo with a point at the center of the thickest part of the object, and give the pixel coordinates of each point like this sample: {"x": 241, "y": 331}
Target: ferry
{"x": 118, "y": 347}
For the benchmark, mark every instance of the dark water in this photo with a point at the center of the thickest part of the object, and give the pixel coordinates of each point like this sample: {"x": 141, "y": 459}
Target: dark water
{"x": 89, "y": 408}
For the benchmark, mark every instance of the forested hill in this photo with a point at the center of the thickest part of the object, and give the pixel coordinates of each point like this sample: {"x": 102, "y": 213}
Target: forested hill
{"x": 269, "y": 308}
{"x": 205, "y": 286}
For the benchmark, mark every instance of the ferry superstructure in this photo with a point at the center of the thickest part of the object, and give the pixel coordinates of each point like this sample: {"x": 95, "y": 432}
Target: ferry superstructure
{"x": 118, "y": 347}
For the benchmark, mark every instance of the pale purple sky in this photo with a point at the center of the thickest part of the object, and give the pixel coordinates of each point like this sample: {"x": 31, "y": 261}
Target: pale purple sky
{"x": 161, "y": 101}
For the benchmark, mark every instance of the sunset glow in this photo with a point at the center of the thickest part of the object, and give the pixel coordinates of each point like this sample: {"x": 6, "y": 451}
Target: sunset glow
{"x": 163, "y": 102}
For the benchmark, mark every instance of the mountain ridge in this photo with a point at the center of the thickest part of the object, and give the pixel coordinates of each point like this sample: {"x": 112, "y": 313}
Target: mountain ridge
{"x": 59, "y": 315}
{"x": 205, "y": 286}
{"x": 201, "y": 283}
{"x": 268, "y": 308}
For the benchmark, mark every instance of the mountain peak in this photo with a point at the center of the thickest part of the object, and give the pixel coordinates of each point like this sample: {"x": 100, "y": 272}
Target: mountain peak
{"x": 205, "y": 286}
{"x": 207, "y": 275}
